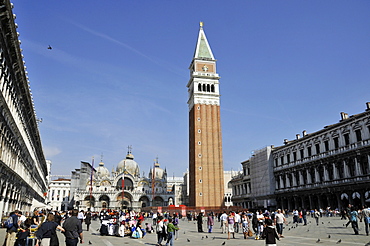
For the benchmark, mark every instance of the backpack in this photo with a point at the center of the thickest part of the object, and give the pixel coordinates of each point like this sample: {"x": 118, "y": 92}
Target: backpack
{"x": 9, "y": 222}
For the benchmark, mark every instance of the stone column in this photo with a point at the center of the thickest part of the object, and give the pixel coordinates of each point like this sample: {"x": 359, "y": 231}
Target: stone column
{"x": 294, "y": 179}
{"x": 326, "y": 175}
{"x": 358, "y": 170}
{"x": 3, "y": 199}
{"x": 335, "y": 171}
{"x": 310, "y": 200}
{"x": 309, "y": 179}
{"x": 286, "y": 180}
{"x": 301, "y": 182}
{"x": 317, "y": 176}
{"x": 282, "y": 185}
{"x": 345, "y": 167}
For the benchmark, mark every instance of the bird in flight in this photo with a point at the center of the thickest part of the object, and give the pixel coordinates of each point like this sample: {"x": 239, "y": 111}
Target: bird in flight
{"x": 49, "y": 47}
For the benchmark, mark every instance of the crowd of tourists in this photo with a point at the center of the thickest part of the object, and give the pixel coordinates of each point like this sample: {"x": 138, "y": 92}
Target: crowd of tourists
{"x": 42, "y": 226}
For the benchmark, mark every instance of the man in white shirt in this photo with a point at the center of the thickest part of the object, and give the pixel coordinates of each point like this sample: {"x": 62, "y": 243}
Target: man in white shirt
{"x": 365, "y": 215}
{"x": 223, "y": 219}
{"x": 279, "y": 221}
{"x": 237, "y": 222}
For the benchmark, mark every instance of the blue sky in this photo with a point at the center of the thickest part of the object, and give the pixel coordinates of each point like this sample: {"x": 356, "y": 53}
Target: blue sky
{"x": 118, "y": 70}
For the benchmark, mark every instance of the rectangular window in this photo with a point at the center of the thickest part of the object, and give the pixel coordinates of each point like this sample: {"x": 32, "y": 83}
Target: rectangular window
{"x": 282, "y": 160}
{"x": 276, "y": 162}
{"x": 302, "y": 153}
{"x": 358, "y": 135}
{"x": 317, "y": 146}
{"x": 326, "y": 143}
{"x": 346, "y": 139}
{"x": 309, "y": 151}
{"x": 336, "y": 142}
{"x": 288, "y": 158}
{"x": 294, "y": 156}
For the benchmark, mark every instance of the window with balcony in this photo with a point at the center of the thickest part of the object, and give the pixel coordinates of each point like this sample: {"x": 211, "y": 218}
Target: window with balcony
{"x": 346, "y": 138}
{"x": 358, "y": 135}
{"x": 336, "y": 142}
{"x": 317, "y": 146}
{"x": 301, "y": 153}
{"x": 326, "y": 144}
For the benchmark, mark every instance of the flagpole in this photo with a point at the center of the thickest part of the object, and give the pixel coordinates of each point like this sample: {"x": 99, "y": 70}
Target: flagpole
{"x": 153, "y": 183}
{"x": 91, "y": 178}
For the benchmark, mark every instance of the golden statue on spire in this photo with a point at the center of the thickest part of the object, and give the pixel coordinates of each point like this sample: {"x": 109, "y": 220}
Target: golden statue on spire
{"x": 201, "y": 24}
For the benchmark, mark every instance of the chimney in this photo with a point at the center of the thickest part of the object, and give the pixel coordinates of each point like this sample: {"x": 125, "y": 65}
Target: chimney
{"x": 298, "y": 136}
{"x": 367, "y": 106}
{"x": 304, "y": 133}
{"x": 344, "y": 115}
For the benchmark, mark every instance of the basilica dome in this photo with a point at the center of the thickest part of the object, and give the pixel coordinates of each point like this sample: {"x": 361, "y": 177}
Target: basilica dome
{"x": 129, "y": 166}
{"x": 159, "y": 173}
{"x": 102, "y": 171}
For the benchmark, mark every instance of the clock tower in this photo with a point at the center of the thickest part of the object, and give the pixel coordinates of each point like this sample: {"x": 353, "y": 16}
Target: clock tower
{"x": 206, "y": 177}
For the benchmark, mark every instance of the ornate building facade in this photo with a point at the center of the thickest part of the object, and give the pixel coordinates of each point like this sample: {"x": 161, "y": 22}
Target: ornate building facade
{"x": 327, "y": 168}
{"x": 23, "y": 168}
{"x": 123, "y": 188}
{"x": 206, "y": 182}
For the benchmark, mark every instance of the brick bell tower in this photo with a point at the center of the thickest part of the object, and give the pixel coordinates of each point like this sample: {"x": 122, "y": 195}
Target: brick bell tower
{"x": 206, "y": 175}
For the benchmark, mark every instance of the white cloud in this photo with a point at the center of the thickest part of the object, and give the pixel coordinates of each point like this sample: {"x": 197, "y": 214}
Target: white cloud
{"x": 51, "y": 152}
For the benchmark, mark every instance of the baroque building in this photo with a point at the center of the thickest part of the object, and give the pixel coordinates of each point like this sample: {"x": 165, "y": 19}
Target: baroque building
{"x": 23, "y": 168}
{"x": 206, "y": 184}
{"x": 124, "y": 188}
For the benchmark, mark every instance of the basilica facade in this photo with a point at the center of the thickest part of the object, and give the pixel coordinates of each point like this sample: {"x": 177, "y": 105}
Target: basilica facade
{"x": 123, "y": 188}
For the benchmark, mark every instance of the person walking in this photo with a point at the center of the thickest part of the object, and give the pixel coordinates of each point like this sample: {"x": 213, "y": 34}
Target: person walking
{"x": 171, "y": 228}
{"x": 88, "y": 220}
{"x": 200, "y": 222}
{"x": 270, "y": 234}
{"x": 365, "y": 215}
{"x": 316, "y": 215}
{"x": 161, "y": 230}
{"x": 46, "y": 234}
{"x": 73, "y": 229}
{"x": 223, "y": 219}
{"x": 245, "y": 224}
{"x": 12, "y": 228}
{"x": 175, "y": 222}
{"x": 230, "y": 225}
{"x": 237, "y": 222}
{"x": 210, "y": 222}
{"x": 279, "y": 222}
{"x": 353, "y": 215}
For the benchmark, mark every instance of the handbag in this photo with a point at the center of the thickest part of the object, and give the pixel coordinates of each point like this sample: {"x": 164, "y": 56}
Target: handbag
{"x": 250, "y": 233}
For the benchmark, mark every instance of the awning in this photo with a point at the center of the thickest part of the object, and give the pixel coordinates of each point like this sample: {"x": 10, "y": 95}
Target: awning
{"x": 39, "y": 205}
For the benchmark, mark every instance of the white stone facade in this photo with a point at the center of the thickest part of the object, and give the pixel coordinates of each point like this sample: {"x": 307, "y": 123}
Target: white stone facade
{"x": 105, "y": 191}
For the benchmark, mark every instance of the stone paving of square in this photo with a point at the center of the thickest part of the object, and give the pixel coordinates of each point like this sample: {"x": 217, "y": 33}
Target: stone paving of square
{"x": 188, "y": 235}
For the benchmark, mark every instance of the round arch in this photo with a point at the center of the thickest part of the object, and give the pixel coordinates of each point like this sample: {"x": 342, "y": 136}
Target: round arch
{"x": 126, "y": 202}
{"x": 158, "y": 201}
{"x": 105, "y": 201}
{"x": 144, "y": 200}
{"x": 128, "y": 184}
